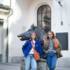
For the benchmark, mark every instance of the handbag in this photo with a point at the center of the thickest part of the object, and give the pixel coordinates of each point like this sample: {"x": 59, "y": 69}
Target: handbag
{"x": 58, "y": 52}
{"x": 36, "y": 55}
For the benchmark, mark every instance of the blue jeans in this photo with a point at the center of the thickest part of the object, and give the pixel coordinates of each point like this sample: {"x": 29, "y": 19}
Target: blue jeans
{"x": 51, "y": 60}
{"x": 30, "y": 63}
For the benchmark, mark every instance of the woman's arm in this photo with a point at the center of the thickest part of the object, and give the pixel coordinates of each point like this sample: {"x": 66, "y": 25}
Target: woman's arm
{"x": 39, "y": 47}
{"x": 25, "y": 44}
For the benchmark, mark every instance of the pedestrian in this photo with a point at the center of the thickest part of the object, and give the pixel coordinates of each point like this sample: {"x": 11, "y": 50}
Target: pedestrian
{"x": 32, "y": 50}
{"x": 52, "y": 49}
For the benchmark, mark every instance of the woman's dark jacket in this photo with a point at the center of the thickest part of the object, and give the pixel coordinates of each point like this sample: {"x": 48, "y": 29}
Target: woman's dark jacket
{"x": 58, "y": 50}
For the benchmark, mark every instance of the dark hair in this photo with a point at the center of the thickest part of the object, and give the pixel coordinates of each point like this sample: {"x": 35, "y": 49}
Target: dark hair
{"x": 52, "y": 34}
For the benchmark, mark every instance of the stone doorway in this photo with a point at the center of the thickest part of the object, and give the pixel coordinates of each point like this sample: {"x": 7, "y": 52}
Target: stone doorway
{"x": 44, "y": 17}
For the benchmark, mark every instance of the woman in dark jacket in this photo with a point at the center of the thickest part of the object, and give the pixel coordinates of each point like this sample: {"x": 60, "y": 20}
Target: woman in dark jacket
{"x": 28, "y": 49}
{"x": 52, "y": 50}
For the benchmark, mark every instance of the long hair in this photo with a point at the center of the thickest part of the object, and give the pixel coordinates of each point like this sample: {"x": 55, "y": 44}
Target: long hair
{"x": 53, "y": 35}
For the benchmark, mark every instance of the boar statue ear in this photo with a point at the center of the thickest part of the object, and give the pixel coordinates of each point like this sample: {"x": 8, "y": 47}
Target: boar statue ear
{"x": 33, "y": 27}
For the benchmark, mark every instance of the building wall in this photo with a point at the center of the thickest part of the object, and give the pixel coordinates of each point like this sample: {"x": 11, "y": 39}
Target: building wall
{"x": 25, "y": 14}
{"x": 56, "y": 21}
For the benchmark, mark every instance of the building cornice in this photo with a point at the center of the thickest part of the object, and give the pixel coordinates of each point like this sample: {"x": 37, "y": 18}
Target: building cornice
{"x": 4, "y": 9}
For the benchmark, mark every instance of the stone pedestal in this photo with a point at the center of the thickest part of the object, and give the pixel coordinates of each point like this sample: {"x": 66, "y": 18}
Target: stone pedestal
{"x": 40, "y": 64}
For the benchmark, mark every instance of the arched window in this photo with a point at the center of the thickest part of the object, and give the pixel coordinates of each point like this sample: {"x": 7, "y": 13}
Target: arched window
{"x": 44, "y": 17}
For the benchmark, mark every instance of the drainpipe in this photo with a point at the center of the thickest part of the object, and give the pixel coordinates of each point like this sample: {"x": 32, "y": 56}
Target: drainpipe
{"x": 7, "y": 33}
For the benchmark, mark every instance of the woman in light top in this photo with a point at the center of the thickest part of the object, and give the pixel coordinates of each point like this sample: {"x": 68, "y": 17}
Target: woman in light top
{"x": 28, "y": 49}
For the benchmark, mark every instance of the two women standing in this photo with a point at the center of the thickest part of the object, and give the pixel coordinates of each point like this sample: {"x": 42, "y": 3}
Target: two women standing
{"x": 51, "y": 48}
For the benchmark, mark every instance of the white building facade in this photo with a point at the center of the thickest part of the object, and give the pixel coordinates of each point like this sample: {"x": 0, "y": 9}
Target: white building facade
{"x": 25, "y": 13}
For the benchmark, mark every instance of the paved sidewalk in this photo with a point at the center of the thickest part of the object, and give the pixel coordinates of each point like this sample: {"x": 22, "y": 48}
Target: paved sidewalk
{"x": 62, "y": 64}
{"x": 9, "y": 66}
